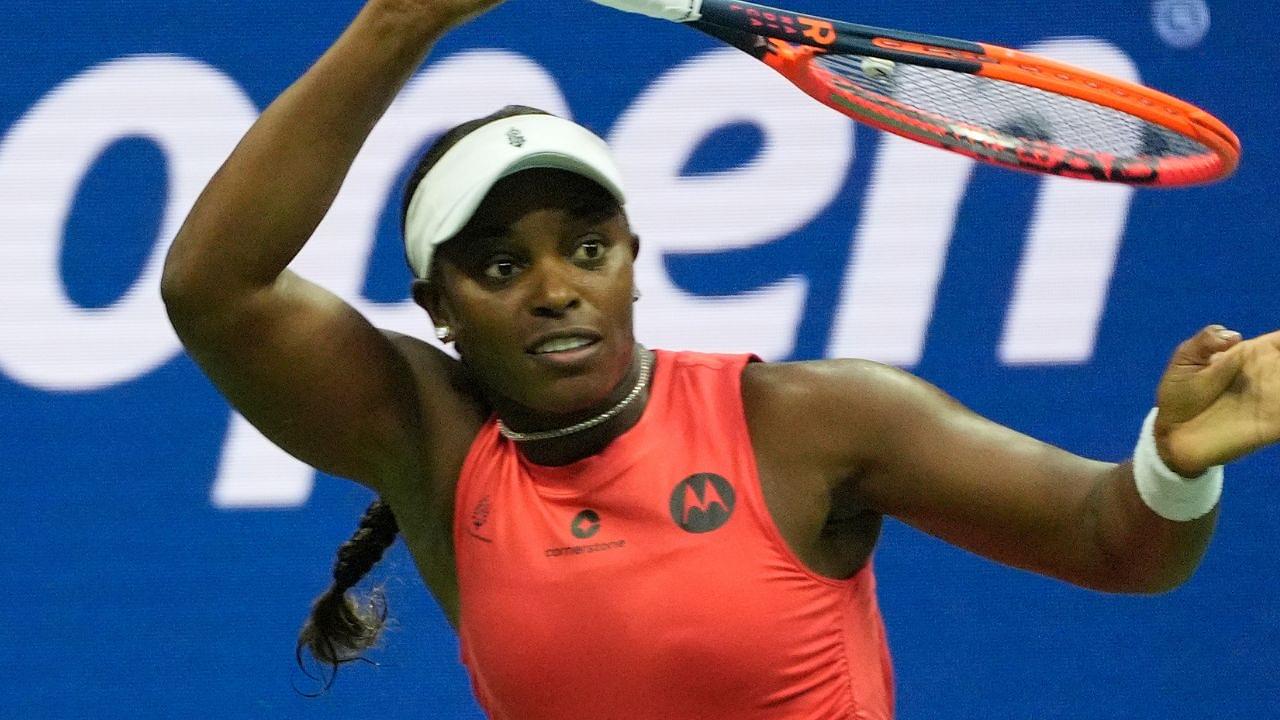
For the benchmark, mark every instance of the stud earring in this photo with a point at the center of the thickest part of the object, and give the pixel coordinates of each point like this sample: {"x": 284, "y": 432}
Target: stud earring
{"x": 443, "y": 333}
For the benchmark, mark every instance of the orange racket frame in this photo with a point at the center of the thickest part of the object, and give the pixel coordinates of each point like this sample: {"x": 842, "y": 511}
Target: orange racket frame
{"x": 795, "y": 40}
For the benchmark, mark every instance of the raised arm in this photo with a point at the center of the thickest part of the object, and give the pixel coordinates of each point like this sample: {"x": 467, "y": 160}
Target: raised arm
{"x": 298, "y": 362}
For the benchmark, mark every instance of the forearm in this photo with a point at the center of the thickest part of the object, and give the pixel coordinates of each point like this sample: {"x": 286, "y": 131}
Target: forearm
{"x": 1142, "y": 552}
{"x": 268, "y": 197}
{"x": 1010, "y": 497}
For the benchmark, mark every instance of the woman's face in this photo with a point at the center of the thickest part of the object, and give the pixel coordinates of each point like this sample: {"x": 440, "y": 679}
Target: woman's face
{"x": 537, "y": 290}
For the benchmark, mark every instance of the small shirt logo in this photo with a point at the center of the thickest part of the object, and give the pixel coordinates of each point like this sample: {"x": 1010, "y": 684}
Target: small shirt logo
{"x": 515, "y": 137}
{"x": 480, "y": 516}
{"x": 703, "y": 502}
{"x": 585, "y": 524}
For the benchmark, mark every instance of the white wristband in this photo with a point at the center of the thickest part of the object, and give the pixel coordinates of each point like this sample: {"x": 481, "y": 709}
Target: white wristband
{"x": 1168, "y": 494}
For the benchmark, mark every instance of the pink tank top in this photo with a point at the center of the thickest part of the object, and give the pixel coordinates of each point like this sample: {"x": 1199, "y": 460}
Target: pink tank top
{"x": 649, "y": 580}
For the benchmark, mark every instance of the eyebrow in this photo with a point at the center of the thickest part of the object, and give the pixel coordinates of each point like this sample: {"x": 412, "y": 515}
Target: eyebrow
{"x": 586, "y": 208}
{"x": 595, "y": 210}
{"x": 593, "y": 204}
{"x": 478, "y": 247}
{"x": 486, "y": 236}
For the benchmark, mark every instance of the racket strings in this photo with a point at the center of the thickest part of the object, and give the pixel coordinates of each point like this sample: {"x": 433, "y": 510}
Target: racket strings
{"x": 1004, "y": 112}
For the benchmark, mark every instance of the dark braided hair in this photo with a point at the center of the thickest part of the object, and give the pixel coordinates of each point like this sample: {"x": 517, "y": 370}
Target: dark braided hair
{"x": 340, "y": 627}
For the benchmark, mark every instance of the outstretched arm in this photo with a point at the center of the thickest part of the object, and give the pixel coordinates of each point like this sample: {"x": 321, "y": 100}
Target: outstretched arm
{"x": 1019, "y": 501}
{"x": 299, "y": 363}
{"x": 896, "y": 445}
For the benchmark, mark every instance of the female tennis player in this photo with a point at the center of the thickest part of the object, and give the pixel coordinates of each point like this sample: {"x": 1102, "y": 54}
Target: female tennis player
{"x": 616, "y": 531}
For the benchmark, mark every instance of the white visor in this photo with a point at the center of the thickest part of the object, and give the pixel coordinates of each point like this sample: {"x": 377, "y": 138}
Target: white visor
{"x": 449, "y": 194}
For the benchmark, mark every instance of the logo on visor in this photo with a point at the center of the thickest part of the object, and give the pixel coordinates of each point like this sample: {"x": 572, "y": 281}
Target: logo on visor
{"x": 515, "y": 138}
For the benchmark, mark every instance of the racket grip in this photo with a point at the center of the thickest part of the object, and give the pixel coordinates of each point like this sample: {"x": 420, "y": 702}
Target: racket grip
{"x": 674, "y": 10}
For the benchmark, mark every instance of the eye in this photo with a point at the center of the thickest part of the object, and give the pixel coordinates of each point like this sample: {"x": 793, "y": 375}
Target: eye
{"x": 590, "y": 248}
{"x": 501, "y": 268}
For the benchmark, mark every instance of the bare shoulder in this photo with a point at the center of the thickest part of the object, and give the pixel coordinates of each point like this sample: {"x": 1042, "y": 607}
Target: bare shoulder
{"x": 449, "y": 406}
{"x": 839, "y": 412}
{"x": 834, "y": 390}
{"x": 441, "y": 371}
{"x": 449, "y": 398}
{"x": 815, "y": 380}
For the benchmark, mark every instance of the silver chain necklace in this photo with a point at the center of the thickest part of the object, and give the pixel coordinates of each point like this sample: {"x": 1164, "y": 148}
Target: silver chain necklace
{"x": 646, "y": 365}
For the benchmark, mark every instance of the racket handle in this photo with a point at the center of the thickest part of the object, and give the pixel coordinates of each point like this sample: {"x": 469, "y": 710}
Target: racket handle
{"x": 675, "y": 10}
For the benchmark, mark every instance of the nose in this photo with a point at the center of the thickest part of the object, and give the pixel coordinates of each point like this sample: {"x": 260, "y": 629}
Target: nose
{"x": 553, "y": 291}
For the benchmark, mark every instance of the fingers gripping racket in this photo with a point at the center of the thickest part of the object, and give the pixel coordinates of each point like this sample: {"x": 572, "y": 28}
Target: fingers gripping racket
{"x": 990, "y": 103}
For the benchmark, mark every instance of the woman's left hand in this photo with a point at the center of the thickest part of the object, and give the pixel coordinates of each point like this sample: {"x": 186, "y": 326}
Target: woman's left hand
{"x": 1219, "y": 400}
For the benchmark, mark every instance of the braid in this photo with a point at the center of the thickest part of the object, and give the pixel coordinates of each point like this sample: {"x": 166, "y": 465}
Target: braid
{"x": 341, "y": 628}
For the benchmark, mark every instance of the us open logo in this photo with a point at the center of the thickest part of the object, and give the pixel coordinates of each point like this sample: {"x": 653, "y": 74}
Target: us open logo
{"x": 703, "y": 502}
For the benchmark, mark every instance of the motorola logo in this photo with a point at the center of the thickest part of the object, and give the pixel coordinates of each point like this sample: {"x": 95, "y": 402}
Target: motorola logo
{"x": 701, "y": 503}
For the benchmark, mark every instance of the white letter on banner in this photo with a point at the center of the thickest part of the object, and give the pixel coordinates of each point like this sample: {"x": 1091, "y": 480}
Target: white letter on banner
{"x": 253, "y": 472}
{"x": 806, "y": 157}
{"x": 195, "y": 114}
{"x": 1061, "y": 287}
{"x": 899, "y": 250}
{"x": 909, "y": 216}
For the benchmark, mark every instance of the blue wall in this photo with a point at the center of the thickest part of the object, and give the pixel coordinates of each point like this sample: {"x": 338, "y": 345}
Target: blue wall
{"x": 158, "y": 558}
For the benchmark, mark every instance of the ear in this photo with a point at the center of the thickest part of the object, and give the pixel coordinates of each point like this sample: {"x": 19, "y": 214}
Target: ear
{"x": 428, "y": 296}
{"x": 635, "y": 246}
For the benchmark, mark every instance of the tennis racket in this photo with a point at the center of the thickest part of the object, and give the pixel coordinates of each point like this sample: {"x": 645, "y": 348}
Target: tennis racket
{"x": 990, "y": 103}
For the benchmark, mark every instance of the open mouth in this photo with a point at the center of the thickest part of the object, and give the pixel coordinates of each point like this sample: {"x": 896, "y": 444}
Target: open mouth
{"x": 565, "y": 345}
{"x": 562, "y": 345}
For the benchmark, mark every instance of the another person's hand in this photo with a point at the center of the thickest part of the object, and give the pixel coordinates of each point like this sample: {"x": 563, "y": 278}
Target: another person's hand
{"x": 1219, "y": 400}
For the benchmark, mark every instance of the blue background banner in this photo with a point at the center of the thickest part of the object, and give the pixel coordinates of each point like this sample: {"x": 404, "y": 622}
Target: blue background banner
{"x": 158, "y": 555}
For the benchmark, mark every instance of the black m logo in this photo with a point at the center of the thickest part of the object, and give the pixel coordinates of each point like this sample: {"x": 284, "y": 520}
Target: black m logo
{"x": 702, "y": 503}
